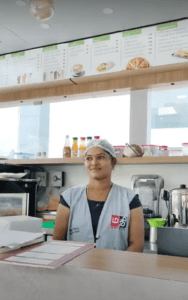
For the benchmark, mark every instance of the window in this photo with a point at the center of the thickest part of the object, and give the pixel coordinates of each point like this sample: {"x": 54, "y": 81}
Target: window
{"x": 29, "y": 129}
{"x": 107, "y": 117}
{"x": 9, "y": 118}
{"x": 169, "y": 117}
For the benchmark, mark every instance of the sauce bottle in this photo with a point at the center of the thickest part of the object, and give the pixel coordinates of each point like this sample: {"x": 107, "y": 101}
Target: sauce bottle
{"x": 67, "y": 149}
{"x": 74, "y": 152}
{"x": 89, "y": 138}
{"x": 82, "y": 147}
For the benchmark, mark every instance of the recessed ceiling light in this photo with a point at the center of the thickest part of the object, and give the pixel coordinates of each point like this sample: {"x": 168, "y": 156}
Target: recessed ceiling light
{"x": 45, "y": 26}
{"x": 108, "y": 11}
{"x": 182, "y": 96}
{"x": 21, "y": 3}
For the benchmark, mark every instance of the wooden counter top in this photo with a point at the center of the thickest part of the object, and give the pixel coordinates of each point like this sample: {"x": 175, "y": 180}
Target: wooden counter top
{"x": 132, "y": 263}
{"x": 99, "y": 275}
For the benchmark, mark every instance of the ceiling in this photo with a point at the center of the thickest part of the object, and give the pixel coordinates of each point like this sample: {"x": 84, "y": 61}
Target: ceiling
{"x": 78, "y": 19}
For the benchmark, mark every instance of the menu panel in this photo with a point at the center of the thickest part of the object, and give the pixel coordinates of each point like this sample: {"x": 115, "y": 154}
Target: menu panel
{"x": 172, "y": 43}
{"x": 106, "y": 54}
{"x": 54, "y": 62}
{"x": 25, "y": 67}
{"x": 79, "y": 58}
{"x": 138, "y": 48}
{"x": 4, "y": 70}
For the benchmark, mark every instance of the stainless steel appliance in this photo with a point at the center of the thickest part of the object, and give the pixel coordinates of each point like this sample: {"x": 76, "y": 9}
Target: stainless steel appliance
{"x": 148, "y": 187}
{"x": 178, "y": 206}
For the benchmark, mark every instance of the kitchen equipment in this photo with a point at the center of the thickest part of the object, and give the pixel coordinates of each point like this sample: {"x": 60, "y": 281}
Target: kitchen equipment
{"x": 172, "y": 241}
{"x": 148, "y": 187}
{"x": 17, "y": 194}
{"x": 178, "y": 206}
{"x": 154, "y": 224}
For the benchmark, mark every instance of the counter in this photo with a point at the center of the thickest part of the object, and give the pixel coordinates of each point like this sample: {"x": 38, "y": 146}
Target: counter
{"x": 99, "y": 274}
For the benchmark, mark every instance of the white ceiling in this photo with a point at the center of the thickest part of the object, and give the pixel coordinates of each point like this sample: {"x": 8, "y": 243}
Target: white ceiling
{"x": 77, "y": 19}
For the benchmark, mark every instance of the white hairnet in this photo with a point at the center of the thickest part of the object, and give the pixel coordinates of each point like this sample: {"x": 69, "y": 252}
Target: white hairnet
{"x": 101, "y": 143}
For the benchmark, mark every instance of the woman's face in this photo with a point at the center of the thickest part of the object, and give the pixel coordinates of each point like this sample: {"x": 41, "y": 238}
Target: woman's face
{"x": 98, "y": 163}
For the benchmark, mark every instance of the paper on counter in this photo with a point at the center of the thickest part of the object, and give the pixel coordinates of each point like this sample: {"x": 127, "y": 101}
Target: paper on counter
{"x": 15, "y": 239}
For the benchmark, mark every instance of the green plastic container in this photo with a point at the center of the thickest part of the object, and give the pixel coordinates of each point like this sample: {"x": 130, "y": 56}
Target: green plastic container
{"x": 157, "y": 222}
{"x": 49, "y": 224}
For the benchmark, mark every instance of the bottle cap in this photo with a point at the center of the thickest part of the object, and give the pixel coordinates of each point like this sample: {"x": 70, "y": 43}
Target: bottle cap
{"x": 96, "y": 137}
{"x": 89, "y": 137}
{"x": 75, "y": 138}
{"x": 82, "y": 138}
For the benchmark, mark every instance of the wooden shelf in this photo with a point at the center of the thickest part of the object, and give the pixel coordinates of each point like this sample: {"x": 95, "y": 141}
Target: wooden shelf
{"x": 135, "y": 79}
{"x": 120, "y": 161}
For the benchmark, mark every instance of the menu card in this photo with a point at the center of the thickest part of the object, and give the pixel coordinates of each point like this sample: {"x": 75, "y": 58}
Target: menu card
{"x": 48, "y": 255}
{"x": 79, "y": 58}
{"x": 138, "y": 48}
{"x": 172, "y": 43}
{"x": 106, "y": 54}
{"x": 54, "y": 62}
{"x": 25, "y": 67}
{"x": 4, "y": 70}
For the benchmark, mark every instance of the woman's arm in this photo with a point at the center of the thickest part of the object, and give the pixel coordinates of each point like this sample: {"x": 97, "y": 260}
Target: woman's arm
{"x": 136, "y": 230}
{"x": 61, "y": 223}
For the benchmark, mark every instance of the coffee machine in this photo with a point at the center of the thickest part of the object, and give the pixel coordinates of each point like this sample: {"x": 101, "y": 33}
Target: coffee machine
{"x": 148, "y": 187}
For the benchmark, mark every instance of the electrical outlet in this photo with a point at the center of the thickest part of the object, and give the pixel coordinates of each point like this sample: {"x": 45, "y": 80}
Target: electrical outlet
{"x": 57, "y": 179}
{"x": 41, "y": 176}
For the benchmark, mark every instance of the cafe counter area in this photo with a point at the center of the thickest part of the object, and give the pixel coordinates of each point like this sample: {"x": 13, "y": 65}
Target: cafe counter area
{"x": 99, "y": 274}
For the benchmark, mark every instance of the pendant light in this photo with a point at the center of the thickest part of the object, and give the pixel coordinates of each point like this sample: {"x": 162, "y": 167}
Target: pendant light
{"x": 42, "y": 10}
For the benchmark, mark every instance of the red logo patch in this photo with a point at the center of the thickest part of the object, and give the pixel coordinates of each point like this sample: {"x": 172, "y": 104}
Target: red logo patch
{"x": 115, "y": 221}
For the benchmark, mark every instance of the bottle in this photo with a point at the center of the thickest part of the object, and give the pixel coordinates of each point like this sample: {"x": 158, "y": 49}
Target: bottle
{"x": 67, "y": 149}
{"x": 82, "y": 147}
{"x": 74, "y": 152}
{"x": 89, "y": 138}
{"x": 96, "y": 137}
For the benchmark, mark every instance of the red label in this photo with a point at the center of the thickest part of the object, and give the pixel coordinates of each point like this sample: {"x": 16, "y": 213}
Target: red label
{"x": 115, "y": 221}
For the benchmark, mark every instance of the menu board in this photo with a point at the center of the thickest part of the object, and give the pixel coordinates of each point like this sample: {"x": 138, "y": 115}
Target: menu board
{"x": 172, "y": 43}
{"x": 138, "y": 48}
{"x": 4, "y": 70}
{"x": 129, "y": 50}
{"x": 25, "y": 67}
{"x": 79, "y": 58}
{"x": 54, "y": 62}
{"x": 106, "y": 54}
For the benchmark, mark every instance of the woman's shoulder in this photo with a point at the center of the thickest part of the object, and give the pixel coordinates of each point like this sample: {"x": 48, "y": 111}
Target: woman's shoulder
{"x": 129, "y": 192}
{"x": 74, "y": 190}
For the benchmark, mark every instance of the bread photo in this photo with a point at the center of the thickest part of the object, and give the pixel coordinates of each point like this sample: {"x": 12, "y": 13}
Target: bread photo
{"x": 137, "y": 63}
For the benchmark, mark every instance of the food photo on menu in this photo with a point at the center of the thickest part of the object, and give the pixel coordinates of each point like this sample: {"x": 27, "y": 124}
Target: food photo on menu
{"x": 137, "y": 63}
{"x": 25, "y": 78}
{"x": 105, "y": 66}
{"x": 77, "y": 70}
{"x": 181, "y": 53}
{"x": 53, "y": 75}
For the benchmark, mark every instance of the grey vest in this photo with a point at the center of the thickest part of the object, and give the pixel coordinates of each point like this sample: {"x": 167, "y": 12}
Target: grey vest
{"x": 113, "y": 226}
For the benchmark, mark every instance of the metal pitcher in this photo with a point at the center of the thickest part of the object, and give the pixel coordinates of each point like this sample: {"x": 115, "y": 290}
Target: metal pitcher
{"x": 178, "y": 206}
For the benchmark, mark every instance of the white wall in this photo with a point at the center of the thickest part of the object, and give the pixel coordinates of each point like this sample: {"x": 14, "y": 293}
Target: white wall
{"x": 173, "y": 174}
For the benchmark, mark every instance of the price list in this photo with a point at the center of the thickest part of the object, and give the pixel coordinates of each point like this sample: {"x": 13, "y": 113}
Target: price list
{"x": 79, "y": 58}
{"x": 25, "y": 67}
{"x": 138, "y": 48}
{"x": 54, "y": 62}
{"x": 106, "y": 54}
{"x": 4, "y": 70}
{"x": 172, "y": 43}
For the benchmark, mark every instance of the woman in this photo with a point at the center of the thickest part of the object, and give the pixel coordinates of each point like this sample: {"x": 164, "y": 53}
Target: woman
{"x": 101, "y": 212}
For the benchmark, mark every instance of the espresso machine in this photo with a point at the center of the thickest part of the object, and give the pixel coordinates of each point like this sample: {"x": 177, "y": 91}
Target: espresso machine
{"x": 148, "y": 187}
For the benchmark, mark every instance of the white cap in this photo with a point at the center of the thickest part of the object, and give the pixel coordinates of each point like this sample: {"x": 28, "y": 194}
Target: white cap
{"x": 101, "y": 143}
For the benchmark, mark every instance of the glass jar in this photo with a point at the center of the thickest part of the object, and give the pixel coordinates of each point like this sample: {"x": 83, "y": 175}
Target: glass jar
{"x": 146, "y": 150}
{"x": 119, "y": 150}
{"x": 163, "y": 151}
{"x": 185, "y": 149}
{"x": 175, "y": 153}
{"x": 154, "y": 150}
